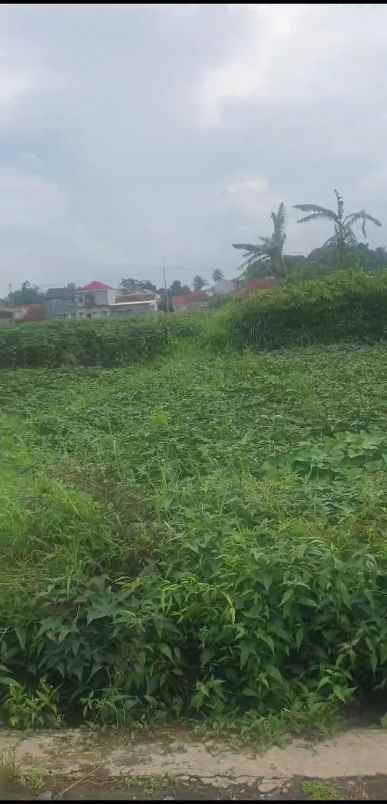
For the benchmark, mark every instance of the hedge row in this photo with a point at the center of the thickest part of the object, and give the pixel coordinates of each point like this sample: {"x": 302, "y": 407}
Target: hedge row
{"x": 348, "y": 306}
{"x": 90, "y": 343}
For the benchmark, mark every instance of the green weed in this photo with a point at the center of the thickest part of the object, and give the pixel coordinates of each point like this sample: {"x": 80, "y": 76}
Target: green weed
{"x": 8, "y": 768}
{"x": 23, "y": 710}
{"x": 34, "y": 780}
{"x": 320, "y": 791}
{"x": 201, "y": 539}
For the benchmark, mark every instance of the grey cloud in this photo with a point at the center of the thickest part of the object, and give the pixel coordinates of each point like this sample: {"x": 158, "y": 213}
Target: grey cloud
{"x": 123, "y": 128}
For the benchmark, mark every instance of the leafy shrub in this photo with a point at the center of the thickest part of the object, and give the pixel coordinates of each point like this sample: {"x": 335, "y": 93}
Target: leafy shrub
{"x": 252, "y": 627}
{"x": 343, "y": 307}
{"x": 91, "y": 343}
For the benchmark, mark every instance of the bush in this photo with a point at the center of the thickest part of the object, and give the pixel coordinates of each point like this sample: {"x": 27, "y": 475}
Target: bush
{"x": 253, "y": 625}
{"x": 91, "y": 343}
{"x": 344, "y": 307}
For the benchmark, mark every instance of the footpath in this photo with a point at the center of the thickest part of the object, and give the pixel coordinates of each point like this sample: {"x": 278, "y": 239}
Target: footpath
{"x": 177, "y": 765}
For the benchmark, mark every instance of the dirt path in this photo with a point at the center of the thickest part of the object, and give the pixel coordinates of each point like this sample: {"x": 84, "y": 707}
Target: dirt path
{"x": 73, "y": 764}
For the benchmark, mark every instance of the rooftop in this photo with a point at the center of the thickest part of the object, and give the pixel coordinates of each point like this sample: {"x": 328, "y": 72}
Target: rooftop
{"x": 96, "y": 286}
{"x": 188, "y": 298}
{"x": 135, "y": 297}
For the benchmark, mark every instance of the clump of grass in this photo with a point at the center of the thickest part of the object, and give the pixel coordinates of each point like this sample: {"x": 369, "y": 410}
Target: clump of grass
{"x": 8, "y": 768}
{"x": 320, "y": 791}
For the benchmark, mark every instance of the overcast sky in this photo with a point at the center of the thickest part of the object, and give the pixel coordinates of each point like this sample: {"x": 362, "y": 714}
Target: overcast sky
{"x": 133, "y": 135}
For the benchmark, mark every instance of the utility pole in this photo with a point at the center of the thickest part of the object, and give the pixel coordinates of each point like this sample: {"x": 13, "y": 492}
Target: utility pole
{"x": 165, "y": 288}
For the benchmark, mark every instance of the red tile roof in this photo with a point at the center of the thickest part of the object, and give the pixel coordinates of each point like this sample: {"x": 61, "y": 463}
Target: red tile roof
{"x": 257, "y": 284}
{"x": 97, "y": 286}
{"x": 188, "y": 298}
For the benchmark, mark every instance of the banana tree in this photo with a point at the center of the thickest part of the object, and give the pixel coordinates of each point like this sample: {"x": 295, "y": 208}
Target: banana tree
{"x": 270, "y": 250}
{"x": 344, "y": 237}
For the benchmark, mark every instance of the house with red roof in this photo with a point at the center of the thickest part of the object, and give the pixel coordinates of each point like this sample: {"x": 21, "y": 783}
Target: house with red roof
{"x": 96, "y": 294}
{"x": 97, "y": 300}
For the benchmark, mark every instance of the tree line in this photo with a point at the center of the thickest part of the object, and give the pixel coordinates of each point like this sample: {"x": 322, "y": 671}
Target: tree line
{"x": 267, "y": 257}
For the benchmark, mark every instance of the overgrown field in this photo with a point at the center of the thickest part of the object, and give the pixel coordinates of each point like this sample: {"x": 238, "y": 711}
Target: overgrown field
{"x": 204, "y": 537}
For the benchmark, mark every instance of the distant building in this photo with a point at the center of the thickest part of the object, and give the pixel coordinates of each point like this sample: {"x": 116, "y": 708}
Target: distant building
{"x": 96, "y": 294}
{"x": 134, "y": 304}
{"x": 191, "y": 302}
{"x": 60, "y": 303}
{"x": 97, "y": 300}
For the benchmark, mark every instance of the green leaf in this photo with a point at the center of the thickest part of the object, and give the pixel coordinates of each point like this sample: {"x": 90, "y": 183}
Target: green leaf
{"x": 287, "y": 597}
{"x": 207, "y": 655}
{"x": 299, "y": 637}
{"x": 21, "y": 635}
{"x": 166, "y": 651}
{"x": 244, "y": 655}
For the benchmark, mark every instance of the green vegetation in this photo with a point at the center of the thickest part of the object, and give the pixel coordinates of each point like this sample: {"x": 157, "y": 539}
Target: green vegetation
{"x": 344, "y": 238}
{"x": 347, "y": 306}
{"x": 269, "y": 253}
{"x": 91, "y": 343}
{"x": 202, "y": 537}
{"x": 342, "y": 250}
{"x": 320, "y": 791}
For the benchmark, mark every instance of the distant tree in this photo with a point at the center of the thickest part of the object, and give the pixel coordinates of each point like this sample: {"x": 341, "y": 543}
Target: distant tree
{"x": 199, "y": 283}
{"x": 361, "y": 254}
{"x": 344, "y": 238}
{"x": 27, "y": 294}
{"x": 177, "y": 289}
{"x": 217, "y": 275}
{"x": 137, "y": 285}
{"x": 257, "y": 270}
{"x": 271, "y": 249}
